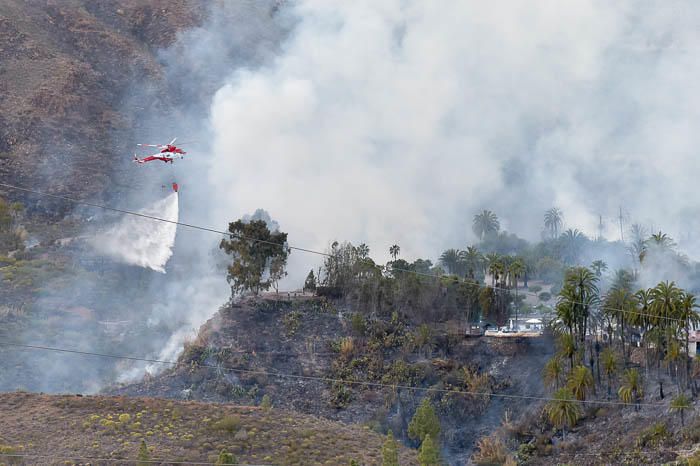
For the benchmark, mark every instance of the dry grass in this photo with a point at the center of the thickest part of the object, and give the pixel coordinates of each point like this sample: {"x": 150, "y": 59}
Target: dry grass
{"x": 347, "y": 347}
{"x": 70, "y": 427}
{"x": 491, "y": 451}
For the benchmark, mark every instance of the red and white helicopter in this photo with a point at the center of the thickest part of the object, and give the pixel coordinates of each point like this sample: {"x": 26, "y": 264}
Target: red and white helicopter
{"x": 168, "y": 153}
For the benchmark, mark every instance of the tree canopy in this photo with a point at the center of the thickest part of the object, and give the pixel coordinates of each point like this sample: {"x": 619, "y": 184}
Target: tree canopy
{"x": 424, "y": 422}
{"x": 259, "y": 256}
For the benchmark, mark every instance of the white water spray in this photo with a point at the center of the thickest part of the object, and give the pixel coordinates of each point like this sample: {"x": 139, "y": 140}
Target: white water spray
{"x": 141, "y": 241}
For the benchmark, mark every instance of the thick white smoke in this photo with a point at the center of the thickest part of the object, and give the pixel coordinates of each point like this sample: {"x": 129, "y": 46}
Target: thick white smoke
{"x": 141, "y": 241}
{"x": 393, "y": 121}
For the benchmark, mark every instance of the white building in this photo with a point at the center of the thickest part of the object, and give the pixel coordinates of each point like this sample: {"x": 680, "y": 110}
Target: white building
{"x": 693, "y": 346}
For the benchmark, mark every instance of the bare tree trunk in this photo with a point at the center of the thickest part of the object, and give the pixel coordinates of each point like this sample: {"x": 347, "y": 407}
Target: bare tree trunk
{"x": 687, "y": 355}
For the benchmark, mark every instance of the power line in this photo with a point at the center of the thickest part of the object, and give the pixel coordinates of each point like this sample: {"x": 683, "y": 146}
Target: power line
{"x": 159, "y": 219}
{"x": 322, "y": 379}
{"x": 302, "y": 249}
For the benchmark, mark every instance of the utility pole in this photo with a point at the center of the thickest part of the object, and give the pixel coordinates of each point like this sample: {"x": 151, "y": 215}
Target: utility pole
{"x": 600, "y": 227}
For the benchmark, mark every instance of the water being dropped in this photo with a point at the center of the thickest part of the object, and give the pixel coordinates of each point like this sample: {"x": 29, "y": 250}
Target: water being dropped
{"x": 142, "y": 241}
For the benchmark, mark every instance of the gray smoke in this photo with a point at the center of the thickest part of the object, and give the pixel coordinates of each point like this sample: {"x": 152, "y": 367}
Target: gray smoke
{"x": 394, "y": 121}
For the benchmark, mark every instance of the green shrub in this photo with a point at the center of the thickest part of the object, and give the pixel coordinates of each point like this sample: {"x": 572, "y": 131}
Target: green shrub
{"x": 526, "y": 451}
{"x": 291, "y": 322}
{"x": 226, "y": 458}
{"x": 230, "y": 424}
{"x": 143, "y": 456}
{"x": 340, "y": 396}
{"x": 358, "y": 323}
{"x": 653, "y": 436}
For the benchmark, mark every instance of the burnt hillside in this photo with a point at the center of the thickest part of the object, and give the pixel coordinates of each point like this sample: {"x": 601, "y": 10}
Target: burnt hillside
{"x": 312, "y": 337}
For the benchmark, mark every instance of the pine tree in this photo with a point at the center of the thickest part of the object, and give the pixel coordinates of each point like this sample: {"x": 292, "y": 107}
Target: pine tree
{"x": 225, "y": 458}
{"x": 143, "y": 457}
{"x": 429, "y": 454}
{"x": 266, "y": 403}
{"x": 390, "y": 451}
{"x": 424, "y": 422}
{"x": 310, "y": 282}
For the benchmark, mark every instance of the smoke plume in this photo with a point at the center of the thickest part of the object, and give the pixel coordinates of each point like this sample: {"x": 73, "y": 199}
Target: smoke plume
{"x": 395, "y": 121}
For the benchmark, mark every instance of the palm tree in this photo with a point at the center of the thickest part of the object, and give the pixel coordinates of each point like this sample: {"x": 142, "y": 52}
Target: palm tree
{"x": 666, "y": 302}
{"x": 673, "y": 355}
{"x": 623, "y": 279}
{"x": 567, "y": 345}
{"x": 620, "y": 304}
{"x": 609, "y": 366}
{"x": 642, "y": 319}
{"x": 572, "y": 241}
{"x": 580, "y": 382}
{"x": 631, "y": 390}
{"x": 363, "y": 251}
{"x": 638, "y": 251}
{"x": 451, "y": 259}
{"x": 516, "y": 269}
{"x": 485, "y": 223}
{"x": 553, "y": 372}
{"x": 661, "y": 241}
{"x": 680, "y": 404}
{"x": 487, "y": 303}
{"x": 562, "y": 410}
{"x": 473, "y": 261}
{"x": 577, "y": 296}
{"x": 599, "y": 267}
{"x": 494, "y": 266}
{"x": 394, "y": 251}
{"x": 553, "y": 220}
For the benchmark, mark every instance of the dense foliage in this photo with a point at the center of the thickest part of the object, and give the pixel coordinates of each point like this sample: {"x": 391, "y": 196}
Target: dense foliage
{"x": 259, "y": 256}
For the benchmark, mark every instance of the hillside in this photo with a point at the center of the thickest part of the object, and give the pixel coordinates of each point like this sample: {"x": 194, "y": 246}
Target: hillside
{"x": 312, "y": 337}
{"x": 64, "y": 69}
{"x": 604, "y": 434}
{"x": 623, "y": 436}
{"x": 68, "y": 114}
{"x": 72, "y": 429}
